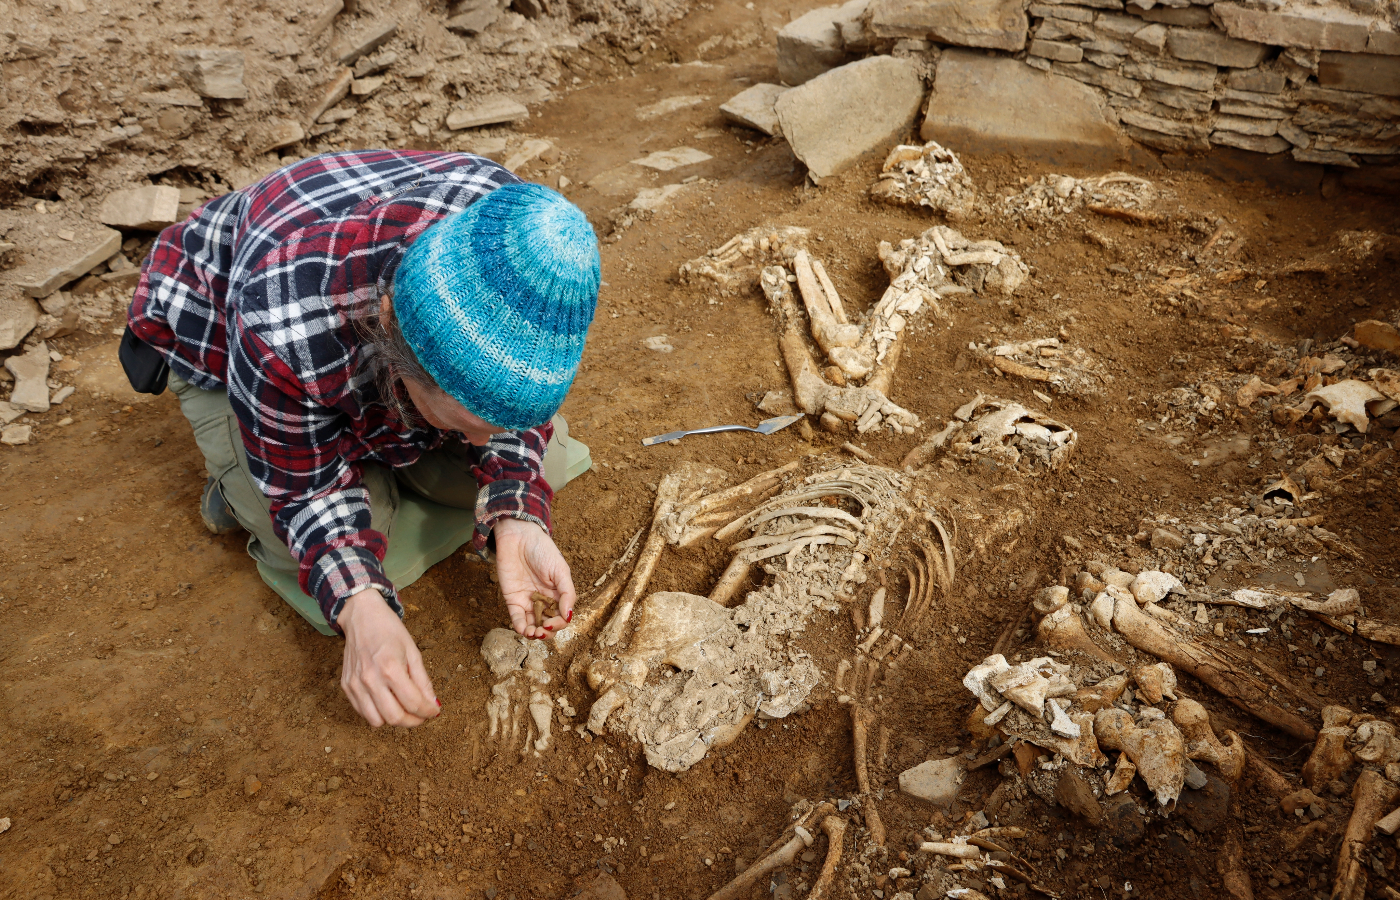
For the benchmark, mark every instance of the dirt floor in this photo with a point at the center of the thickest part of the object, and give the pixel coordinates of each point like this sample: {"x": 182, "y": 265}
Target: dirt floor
{"x": 171, "y": 729}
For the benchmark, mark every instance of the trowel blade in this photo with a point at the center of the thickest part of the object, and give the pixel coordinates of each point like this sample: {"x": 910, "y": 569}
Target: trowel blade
{"x": 768, "y": 426}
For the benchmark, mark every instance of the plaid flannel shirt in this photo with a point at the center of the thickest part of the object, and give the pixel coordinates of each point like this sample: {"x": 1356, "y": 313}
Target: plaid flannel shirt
{"x": 257, "y": 292}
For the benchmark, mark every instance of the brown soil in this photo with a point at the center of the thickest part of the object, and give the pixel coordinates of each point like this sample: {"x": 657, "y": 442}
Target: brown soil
{"x": 151, "y": 680}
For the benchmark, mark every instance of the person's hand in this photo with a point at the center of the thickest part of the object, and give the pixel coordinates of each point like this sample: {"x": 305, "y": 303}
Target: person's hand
{"x": 527, "y": 561}
{"x": 383, "y": 674}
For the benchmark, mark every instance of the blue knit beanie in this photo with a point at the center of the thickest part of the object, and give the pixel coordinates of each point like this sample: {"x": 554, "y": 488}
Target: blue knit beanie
{"x": 496, "y": 300}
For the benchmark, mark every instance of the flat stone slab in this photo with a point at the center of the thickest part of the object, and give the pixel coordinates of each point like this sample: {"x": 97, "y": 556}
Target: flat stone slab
{"x": 997, "y": 24}
{"x": 18, "y": 316}
{"x": 840, "y": 116}
{"x": 1366, "y": 73}
{"x": 753, "y": 108}
{"x": 148, "y": 208}
{"x": 936, "y": 781}
{"x": 496, "y": 111}
{"x": 812, "y": 43}
{"x": 666, "y": 160}
{"x": 985, "y": 104}
{"x": 1296, "y": 25}
{"x": 31, "y": 371}
{"x": 213, "y": 72}
{"x": 64, "y": 255}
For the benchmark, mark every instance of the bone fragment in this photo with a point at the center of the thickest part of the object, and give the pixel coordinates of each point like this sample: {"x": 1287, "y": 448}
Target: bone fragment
{"x": 1330, "y": 757}
{"x": 735, "y": 574}
{"x": 877, "y": 608}
{"x": 1230, "y": 864}
{"x": 541, "y": 710}
{"x": 1157, "y": 749}
{"x": 1011, "y": 367}
{"x": 667, "y": 493}
{"x": 860, "y": 733}
{"x": 857, "y": 452}
{"x": 746, "y": 491}
{"x": 946, "y": 848}
{"x": 1122, "y": 775}
{"x": 838, "y": 683}
{"x": 1201, "y": 743}
{"x": 1373, "y": 795}
{"x": 832, "y": 298}
{"x": 1370, "y": 629}
{"x": 1391, "y": 823}
{"x": 835, "y": 828}
{"x": 1231, "y": 681}
{"x": 1266, "y": 776}
{"x": 826, "y": 328}
{"x": 865, "y": 645}
{"x": 588, "y": 616}
{"x": 758, "y": 872}
{"x": 1063, "y": 630}
{"x": 1155, "y": 682}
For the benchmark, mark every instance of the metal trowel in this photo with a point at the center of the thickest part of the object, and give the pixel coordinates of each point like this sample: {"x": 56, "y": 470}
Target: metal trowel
{"x": 767, "y": 426}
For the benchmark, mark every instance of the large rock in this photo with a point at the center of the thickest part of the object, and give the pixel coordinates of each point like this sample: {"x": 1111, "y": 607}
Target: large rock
{"x": 836, "y": 118}
{"x": 65, "y": 261}
{"x": 213, "y": 73}
{"x": 812, "y": 44}
{"x": 1365, "y": 73}
{"x": 18, "y": 316}
{"x": 1332, "y": 27}
{"x": 1215, "y": 48}
{"x": 31, "y": 371}
{"x": 984, "y": 104}
{"x": 148, "y": 208}
{"x": 753, "y": 107}
{"x": 936, "y": 781}
{"x": 998, "y": 24}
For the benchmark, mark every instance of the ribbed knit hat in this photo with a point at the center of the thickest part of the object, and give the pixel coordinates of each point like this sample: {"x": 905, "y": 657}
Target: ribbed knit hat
{"x": 496, "y": 300}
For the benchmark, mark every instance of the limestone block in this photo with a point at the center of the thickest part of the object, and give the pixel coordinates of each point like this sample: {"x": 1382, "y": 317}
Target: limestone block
{"x": 495, "y": 111}
{"x": 1366, "y": 73}
{"x": 985, "y": 104}
{"x": 69, "y": 261}
{"x": 1055, "y": 50}
{"x": 371, "y": 38}
{"x": 996, "y": 24}
{"x": 148, "y": 208}
{"x": 1269, "y": 144}
{"x": 1332, "y": 27}
{"x": 1214, "y": 48}
{"x": 31, "y": 371}
{"x": 1247, "y": 125}
{"x": 273, "y": 134}
{"x": 1071, "y": 13}
{"x": 213, "y": 73}
{"x": 18, "y": 316}
{"x": 1186, "y": 16}
{"x": 838, "y": 117}
{"x": 1100, "y": 77}
{"x": 1191, "y": 76}
{"x": 936, "y": 781}
{"x": 812, "y": 44}
{"x": 1263, "y": 81}
{"x": 753, "y": 108}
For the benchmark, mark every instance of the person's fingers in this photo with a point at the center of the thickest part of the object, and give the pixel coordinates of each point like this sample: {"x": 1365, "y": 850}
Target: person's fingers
{"x": 409, "y": 694}
{"x": 389, "y": 707}
{"x": 361, "y": 703}
{"x": 520, "y": 618}
{"x": 418, "y": 674}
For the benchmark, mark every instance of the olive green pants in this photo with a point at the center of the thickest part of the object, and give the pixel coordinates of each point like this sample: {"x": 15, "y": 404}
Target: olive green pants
{"x": 423, "y": 524}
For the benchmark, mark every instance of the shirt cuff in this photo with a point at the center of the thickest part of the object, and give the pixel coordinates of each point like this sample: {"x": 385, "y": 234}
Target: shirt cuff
{"x": 342, "y": 573}
{"x": 509, "y": 499}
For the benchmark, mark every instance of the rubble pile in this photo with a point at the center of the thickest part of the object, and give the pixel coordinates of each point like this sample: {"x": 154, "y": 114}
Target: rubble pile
{"x": 931, "y": 176}
{"x": 1057, "y": 195}
{"x": 998, "y": 434}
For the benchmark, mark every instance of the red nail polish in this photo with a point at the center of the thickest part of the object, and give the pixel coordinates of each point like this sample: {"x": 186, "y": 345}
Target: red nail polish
{"x": 549, "y": 628}
{"x": 570, "y": 616}
{"x": 439, "y": 702}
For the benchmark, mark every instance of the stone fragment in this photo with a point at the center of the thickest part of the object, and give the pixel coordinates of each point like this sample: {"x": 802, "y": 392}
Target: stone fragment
{"x": 1123, "y": 821}
{"x": 14, "y": 436}
{"x": 1384, "y": 40}
{"x": 839, "y": 116}
{"x": 812, "y": 44}
{"x": 984, "y": 104}
{"x": 1162, "y": 539}
{"x": 753, "y": 108}
{"x": 370, "y": 39}
{"x": 334, "y": 92}
{"x": 601, "y": 886}
{"x": 1068, "y": 13}
{"x": 172, "y": 97}
{"x": 655, "y": 198}
{"x": 1171, "y": 135}
{"x": 148, "y": 208}
{"x": 1055, "y": 50}
{"x": 9, "y": 413}
{"x": 366, "y": 87}
{"x": 213, "y": 73}
{"x": 1192, "y": 76}
{"x": 251, "y": 785}
{"x": 936, "y": 780}
{"x": 666, "y": 160}
{"x": 995, "y": 24}
{"x": 669, "y": 105}
{"x": 273, "y": 133}
{"x": 1109, "y": 81}
{"x": 1074, "y": 794}
{"x": 1154, "y": 37}
{"x": 1252, "y": 110}
{"x": 1248, "y": 125}
{"x": 1329, "y": 27}
{"x": 1186, "y": 16}
{"x": 1365, "y": 73}
{"x": 1214, "y": 48}
{"x": 527, "y": 153}
{"x": 1151, "y": 586}
{"x": 366, "y": 66}
{"x": 71, "y": 260}
{"x": 1259, "y": 80}
{"x": 31, "y": 372}
{"x": 18, "y": 316}
{"x": 475, "y": 16}
{"x": 495, "y": 111}
{"x": 1205, "y": 808}
{"x": 1294, "y": 135}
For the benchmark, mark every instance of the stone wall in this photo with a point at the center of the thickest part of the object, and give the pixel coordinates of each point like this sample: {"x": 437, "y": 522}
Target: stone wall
{"x": 1318, "y": 81}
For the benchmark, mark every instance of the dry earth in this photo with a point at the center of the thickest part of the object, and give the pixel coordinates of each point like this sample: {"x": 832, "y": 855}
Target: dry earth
{"x": 170, "y": 729}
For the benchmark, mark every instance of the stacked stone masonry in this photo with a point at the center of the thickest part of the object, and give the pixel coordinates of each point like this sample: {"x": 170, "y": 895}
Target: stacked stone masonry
{"x": 1320, "y": 81}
